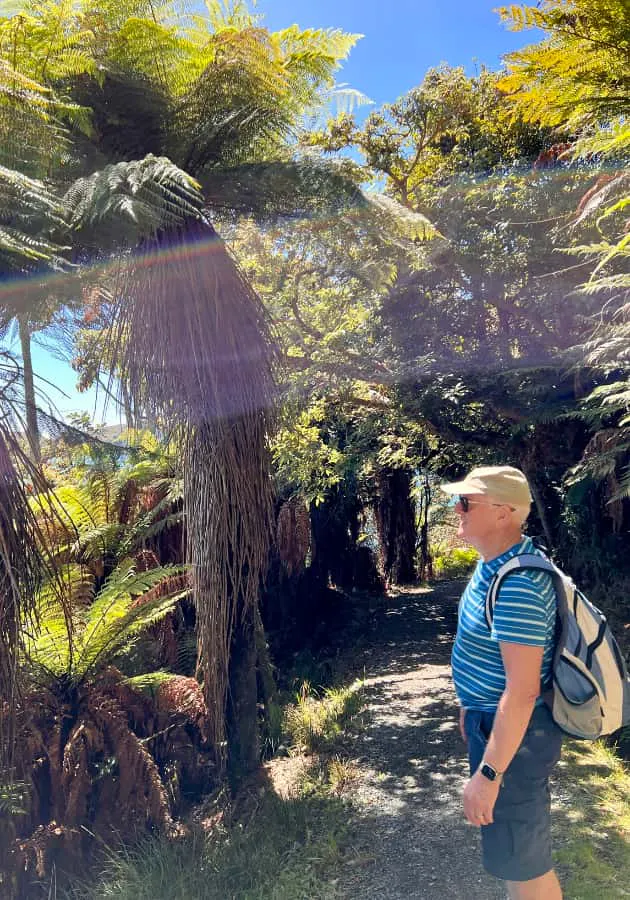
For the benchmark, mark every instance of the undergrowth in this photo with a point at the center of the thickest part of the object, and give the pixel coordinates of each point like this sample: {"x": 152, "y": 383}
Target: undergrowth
{"x": 592, "y": 823}
{"x": 285, "y": 851}
{"x": 315, "y": 723}
{"x": 281, "y": 848}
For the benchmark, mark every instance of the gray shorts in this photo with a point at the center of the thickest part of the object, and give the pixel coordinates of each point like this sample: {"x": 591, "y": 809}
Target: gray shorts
{"x": 517, "y": 846}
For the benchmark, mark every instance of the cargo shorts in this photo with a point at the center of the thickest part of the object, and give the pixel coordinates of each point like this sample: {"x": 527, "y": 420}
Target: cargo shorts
{"x": 517, "y": 846}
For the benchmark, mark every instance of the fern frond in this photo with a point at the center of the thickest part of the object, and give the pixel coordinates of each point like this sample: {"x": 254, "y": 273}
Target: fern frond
{"x": 113, "y": 621}
{"x": 127, "y": 201}
{"x": 399, "y": 221}
{"x": 48, "y": 643}
{"x": 149, "y": 682}
{"x": 578, "y": 75}
{"x": 299, "y": 188}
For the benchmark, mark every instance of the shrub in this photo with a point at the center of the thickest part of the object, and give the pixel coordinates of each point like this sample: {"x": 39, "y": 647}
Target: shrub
{"x": 453, "y": 562}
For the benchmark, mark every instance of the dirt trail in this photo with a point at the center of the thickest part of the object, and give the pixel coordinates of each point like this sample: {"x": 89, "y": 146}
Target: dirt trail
{"x": 409, "y": 833}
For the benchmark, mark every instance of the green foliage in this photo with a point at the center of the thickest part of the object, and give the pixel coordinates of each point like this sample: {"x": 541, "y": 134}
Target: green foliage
{"x": 13, "y": 799}
{"x": 302, "y": 456}
{"x": 449, "y": 123}
{"x": 579, "y": 74}
{"x": 315, "y": 723}
{"x": 452, "y": 562}
{"x": 33, "y": 139}
{"x": 75, "y": 649}
{"x": 29, "y": 211}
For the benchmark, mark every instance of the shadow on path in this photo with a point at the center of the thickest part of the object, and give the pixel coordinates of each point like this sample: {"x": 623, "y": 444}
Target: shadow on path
{"x": 409, "y": 834}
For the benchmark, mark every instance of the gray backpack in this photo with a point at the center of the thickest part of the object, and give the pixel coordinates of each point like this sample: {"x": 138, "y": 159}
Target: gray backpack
{"x": 589, "y": 694}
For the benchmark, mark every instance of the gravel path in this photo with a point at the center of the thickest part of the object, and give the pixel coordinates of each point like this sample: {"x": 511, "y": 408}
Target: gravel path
{"x": 409, "y": 833}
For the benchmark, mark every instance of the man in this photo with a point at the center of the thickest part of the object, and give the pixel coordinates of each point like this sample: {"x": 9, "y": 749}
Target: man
{"x": 513, "y": 743}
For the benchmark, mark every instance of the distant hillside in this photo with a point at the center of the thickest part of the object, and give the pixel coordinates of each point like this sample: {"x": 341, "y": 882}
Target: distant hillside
{"x": 111, "y": 433}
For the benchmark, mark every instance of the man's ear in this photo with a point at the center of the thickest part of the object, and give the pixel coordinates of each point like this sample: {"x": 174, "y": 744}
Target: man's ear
{"x": 504, "y": 513}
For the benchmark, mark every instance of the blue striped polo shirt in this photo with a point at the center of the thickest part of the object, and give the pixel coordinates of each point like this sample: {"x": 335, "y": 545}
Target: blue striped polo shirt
{"x": 525, "y": 613}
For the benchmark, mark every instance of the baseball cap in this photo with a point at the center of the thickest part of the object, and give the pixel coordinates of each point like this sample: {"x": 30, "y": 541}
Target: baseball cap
{"x": 504, "y": 484}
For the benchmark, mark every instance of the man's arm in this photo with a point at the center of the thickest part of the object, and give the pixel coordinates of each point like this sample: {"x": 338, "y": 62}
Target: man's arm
{"x": 523, "y": 664}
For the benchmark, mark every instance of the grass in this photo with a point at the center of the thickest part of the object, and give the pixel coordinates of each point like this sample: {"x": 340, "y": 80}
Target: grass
{"x": 285, "y": 852}
{"x": 315, "y": 724}
{"x": 592, "y": 824}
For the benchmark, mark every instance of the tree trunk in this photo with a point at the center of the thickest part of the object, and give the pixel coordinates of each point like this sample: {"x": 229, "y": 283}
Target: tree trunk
{"x": 32, "y": 429}
{"x": 426, "y": 560}
{"x": 242, "y": 702}
{"x": 129, "y": 416}
{"x": 396, "y": 526}
{"x": 335, "y": 530}
{"x": 539, "y": 503}
{"x": 264, "y": 664}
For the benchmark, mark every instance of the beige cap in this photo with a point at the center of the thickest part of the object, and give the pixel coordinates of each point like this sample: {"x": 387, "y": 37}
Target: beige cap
{"x": 503, "y": 484}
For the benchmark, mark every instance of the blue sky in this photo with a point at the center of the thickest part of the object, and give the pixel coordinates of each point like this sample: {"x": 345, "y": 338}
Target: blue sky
{"x": 401, "y": 41}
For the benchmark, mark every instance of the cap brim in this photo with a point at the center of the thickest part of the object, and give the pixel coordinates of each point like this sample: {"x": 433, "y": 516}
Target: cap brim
{"x": 460, "y": 487}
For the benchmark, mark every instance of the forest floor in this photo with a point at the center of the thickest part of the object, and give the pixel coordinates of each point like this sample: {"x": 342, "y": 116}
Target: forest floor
{"x": 407, "y": 834}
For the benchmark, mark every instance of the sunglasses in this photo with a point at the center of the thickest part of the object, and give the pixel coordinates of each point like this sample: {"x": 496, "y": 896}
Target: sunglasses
{"x": 466, "y": 502}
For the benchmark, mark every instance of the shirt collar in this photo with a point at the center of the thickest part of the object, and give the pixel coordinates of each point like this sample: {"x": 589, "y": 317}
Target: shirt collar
{"x": 525, "y": 545}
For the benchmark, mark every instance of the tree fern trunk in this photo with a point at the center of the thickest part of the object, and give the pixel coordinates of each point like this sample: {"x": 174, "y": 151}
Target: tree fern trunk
{"x": 242, "y": 702}
{"x": 32, "y": 429}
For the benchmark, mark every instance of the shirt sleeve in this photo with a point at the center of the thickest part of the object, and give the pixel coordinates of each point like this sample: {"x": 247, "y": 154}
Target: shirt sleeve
{"x": 522, "y": 608}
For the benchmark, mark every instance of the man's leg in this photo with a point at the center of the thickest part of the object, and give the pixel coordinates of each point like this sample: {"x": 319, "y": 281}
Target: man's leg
{"x": 547, "y": 887}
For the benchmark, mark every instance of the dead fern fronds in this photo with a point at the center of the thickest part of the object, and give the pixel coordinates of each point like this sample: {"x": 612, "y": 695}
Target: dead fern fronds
{"x": 76, "y": 778}
{"x": 181, "y": 696}
{"x": 45, "y": 840}
{"x": 169, "y": 587}
{"x": 140, "y": 792}
{"x": 145, "y": 560}
{"x": 22, "y": 569}
{"x": 128, "y": 502}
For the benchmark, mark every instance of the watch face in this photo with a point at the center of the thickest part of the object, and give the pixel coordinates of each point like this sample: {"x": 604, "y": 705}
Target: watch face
{"x": 488, "y": 772}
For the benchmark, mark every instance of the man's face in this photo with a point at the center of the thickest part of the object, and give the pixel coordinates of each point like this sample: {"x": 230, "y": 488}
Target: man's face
{"x": 478, "y": 518}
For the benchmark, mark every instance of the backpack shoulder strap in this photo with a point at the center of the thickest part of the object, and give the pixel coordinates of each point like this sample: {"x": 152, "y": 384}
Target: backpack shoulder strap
{"x": 522, "y": 561}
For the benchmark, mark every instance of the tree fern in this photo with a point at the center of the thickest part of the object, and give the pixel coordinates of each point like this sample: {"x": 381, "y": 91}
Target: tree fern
{"x": 579, "y": 75}
{"x": 126, "y": 201}
{"x": 77, "y": 648}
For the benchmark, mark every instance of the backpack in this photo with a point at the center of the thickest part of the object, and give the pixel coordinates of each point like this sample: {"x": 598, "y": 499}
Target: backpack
{"x": 589, "y": 692}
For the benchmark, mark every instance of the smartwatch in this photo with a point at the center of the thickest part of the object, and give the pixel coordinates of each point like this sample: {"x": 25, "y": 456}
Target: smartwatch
{"x": 490, "y": 772}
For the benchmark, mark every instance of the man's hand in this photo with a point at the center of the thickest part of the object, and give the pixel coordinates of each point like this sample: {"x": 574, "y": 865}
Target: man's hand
{"x": 462, "y": 728}
{"x": 480, "y": 795}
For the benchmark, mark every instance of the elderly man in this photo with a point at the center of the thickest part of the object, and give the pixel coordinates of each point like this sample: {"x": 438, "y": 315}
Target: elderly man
{"x": 513, "y": 743}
